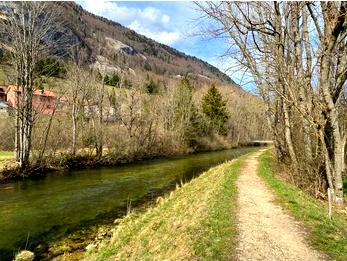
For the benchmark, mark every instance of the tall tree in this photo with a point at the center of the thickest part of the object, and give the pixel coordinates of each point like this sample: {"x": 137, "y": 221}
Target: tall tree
{"x": 214, "y": 106}
{"x": 27, "y": 30}
{"x": 296, "y": 54}
{"x": 77, "y": 90}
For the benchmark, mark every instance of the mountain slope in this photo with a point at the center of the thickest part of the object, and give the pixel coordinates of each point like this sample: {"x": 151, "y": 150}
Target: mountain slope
{"x": 124, "y": 48}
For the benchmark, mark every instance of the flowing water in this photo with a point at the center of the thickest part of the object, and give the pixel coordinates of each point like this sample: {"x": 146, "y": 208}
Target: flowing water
{"x": 34, "y": 211}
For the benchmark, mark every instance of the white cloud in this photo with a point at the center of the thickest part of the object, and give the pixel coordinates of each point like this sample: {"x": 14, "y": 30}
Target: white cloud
{"x": 150, "y": 21}
{"x": 168, "y": 37}
{"x": 165, "y": 19}
{"x": 162, "y": 37}
{"x": 150, "y": 13}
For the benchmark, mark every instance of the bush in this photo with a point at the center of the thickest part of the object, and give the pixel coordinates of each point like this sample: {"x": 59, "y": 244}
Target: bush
{"x": 113, "y": 80}
{"x": 5, "y": 56}
{"x": 25, "y": 256}
{"x": 151, "y": 87}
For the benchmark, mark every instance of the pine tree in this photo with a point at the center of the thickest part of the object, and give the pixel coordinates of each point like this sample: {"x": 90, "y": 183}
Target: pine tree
{"x": 114, "y": 80}
{"x": 150, "y": 86}
{"x": 214, "y": 107}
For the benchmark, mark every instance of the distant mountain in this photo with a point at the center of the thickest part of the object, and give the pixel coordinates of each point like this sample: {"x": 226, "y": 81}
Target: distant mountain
{"x": 110, "y": 42}
{"x": 117, "y": 48}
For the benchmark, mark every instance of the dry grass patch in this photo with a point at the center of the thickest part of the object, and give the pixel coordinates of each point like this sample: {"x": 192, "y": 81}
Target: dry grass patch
{"x": 5, "y": 157}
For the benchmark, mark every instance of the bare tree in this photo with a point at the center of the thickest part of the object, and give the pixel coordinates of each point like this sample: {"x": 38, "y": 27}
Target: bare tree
{"x": 296, "y": 54}
{"x": 97, "y": 104}
{"x": 27, "y": 29}
{"x": 77, "y": 91}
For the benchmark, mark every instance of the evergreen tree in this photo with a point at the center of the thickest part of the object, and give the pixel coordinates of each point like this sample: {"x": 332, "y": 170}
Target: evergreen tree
{"x": 49, "y": 67}
{"x": 112, "y": 80}
{"x": 150, "y": 86}
{"x": 214, "y": 107}
{"x": 189, "y": 122}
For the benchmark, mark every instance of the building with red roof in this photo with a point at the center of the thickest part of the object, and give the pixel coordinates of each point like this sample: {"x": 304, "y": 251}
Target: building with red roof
{"x": 44, "y": 101}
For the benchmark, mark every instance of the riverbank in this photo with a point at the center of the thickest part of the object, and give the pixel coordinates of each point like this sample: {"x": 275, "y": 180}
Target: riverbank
{"x": 9, "y": 170}
{"x": 197, "y": 221}
{"x": 99, "y": 196}
{"x": 201, "y": 221}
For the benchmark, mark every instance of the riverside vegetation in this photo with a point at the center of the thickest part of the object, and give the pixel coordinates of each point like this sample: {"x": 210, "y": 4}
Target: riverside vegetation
{"x": 297, "y": 60}
{"x": 328, "y": 235}
{"x": 105, "y": 115}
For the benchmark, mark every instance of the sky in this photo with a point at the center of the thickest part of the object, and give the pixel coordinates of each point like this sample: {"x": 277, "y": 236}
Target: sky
{"x": 172, "y": 23}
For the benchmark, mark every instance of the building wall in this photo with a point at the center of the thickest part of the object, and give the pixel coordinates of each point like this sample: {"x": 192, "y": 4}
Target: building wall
{"x": 41, "y": 102}
{"x": 11, "y": 98}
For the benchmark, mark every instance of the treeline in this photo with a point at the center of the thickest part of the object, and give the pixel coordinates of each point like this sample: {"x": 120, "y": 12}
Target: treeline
{"x": 296, "y": 54}
{"x": 103, "y": 116}
{"x": 109, "y": 124}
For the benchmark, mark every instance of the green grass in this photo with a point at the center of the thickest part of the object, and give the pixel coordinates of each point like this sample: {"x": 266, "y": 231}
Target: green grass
{"x": 3, "y": 78}
{"x": 5, "y": 72}
{"x": 5, "y": 156}
{"x": 329, "y": 236}
{"x": 196, "y": 222}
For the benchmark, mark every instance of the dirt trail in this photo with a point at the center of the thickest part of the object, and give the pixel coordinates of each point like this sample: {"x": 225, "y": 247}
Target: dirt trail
{"x": 266, "y": 231}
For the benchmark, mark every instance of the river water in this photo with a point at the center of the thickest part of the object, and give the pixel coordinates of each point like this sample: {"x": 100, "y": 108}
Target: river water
{"x": 44, "y": 210}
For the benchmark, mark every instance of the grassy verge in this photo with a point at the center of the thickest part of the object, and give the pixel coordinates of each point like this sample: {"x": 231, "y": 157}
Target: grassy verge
{"x": 329, "y": 236}
{"x": 5, "y": 156}
{"x": 196, "y": 222}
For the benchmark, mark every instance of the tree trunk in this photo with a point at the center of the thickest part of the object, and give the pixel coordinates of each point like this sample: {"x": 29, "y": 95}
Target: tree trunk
{"x": 288, "y": 135}
{"x": 335, "y": 139}
{"x": 74, "y": 128}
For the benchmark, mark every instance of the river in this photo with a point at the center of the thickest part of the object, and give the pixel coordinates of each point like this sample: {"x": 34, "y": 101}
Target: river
{"x": 46, "y": 209}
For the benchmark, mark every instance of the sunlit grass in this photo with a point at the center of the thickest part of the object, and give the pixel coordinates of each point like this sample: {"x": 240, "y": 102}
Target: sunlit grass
{"x": 196, "y": 222}
{"x": 329, "y": 236}
{"x": 5, "y": 156}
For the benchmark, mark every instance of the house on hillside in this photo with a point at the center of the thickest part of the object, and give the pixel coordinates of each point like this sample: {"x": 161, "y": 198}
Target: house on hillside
{"x": 44, "y": 101}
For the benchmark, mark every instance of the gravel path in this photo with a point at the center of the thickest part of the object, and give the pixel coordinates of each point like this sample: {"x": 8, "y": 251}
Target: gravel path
{"x": 266, "y": 231}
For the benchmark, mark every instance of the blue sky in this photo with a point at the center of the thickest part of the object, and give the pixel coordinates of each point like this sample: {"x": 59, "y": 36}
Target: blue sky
{"x": 173, "y": 23}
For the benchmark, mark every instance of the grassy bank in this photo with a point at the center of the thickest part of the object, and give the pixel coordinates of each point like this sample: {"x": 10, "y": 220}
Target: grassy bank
{"x": 64, "y": 161}
{"x": 84, "y": 159}
{"x": 196, "y": 222}
{"x": 329, "y": 236}
{"x": 5, "y": 157}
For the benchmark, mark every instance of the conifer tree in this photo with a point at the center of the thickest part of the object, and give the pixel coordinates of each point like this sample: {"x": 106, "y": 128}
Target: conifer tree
{"x": 214, "y": 107}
